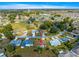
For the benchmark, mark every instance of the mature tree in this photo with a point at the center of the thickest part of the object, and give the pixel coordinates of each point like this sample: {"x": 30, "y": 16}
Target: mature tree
{"x": 65, "y": 20}
{"x": 77, "y": 40}
{"x": 24, "y": 13}
{"x": 12, "y": 17}
{"x": 8, "y": 27}
{"x": 7, "y": 31}
{"x": 70, "y": 28}
{"x": 8, "y": 34}
{"x": 60, "y": 25}
{"x": 0, "y": 36}
{"x": 9, "y": 48}
{"x": 16, "y": 55}
{"x": 32, "y": 19}
{"x": 52, "y": 18}
{"x": 53, "y": 29}
{"x": 68, "y": 45}
{"x": 38, "y": 12}
{"x": 57, "y": 15}
{"x": 68, "y": 20}
{"x": 55, "y": 50}
{"x": 46, "y": 25}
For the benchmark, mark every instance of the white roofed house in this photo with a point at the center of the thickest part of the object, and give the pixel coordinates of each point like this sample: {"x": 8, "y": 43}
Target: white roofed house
{"x": 4, "y": 21}
{"x": 2, "y": 53}
{"x": 1, "y": 21}
{"x": 76, "y": 24}
{"x": 55, "y": 41}
{"x": 27, "y": 43}
{"x": 2, "y": 36}
{"x": 33, "y": 32}
{"x": 23, "y": 18}
{"x": 25, "y": 33}
{"x": 43, "y": 34}
{"x": 73, "y": 53}
{"x": 26, "y": 18}
{"x": 44, "y": 17}
{"x": 16, "y": 42}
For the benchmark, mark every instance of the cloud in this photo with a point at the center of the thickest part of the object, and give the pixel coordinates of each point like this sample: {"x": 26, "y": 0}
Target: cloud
{"x": 30, "y": 6}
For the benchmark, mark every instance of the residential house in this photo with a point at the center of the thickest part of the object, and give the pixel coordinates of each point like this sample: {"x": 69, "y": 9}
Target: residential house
{"x": 33, "y": 32}
{"x": 2, "y": 53}
{"x": 73, "y": 53}
{"x": 64, "y": 39}
{"x": 27, "y": 43}
{"x": 55, "y": 42}
{"x": 16, "y": 42}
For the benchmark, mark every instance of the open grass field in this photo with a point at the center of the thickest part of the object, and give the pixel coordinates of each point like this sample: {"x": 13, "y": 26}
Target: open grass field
{"x": 19, "y": 26}
{"x": 29, "y": 52}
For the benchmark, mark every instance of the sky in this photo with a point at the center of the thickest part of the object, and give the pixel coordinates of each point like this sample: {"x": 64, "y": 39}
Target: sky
{"x": 39, "y": 5}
